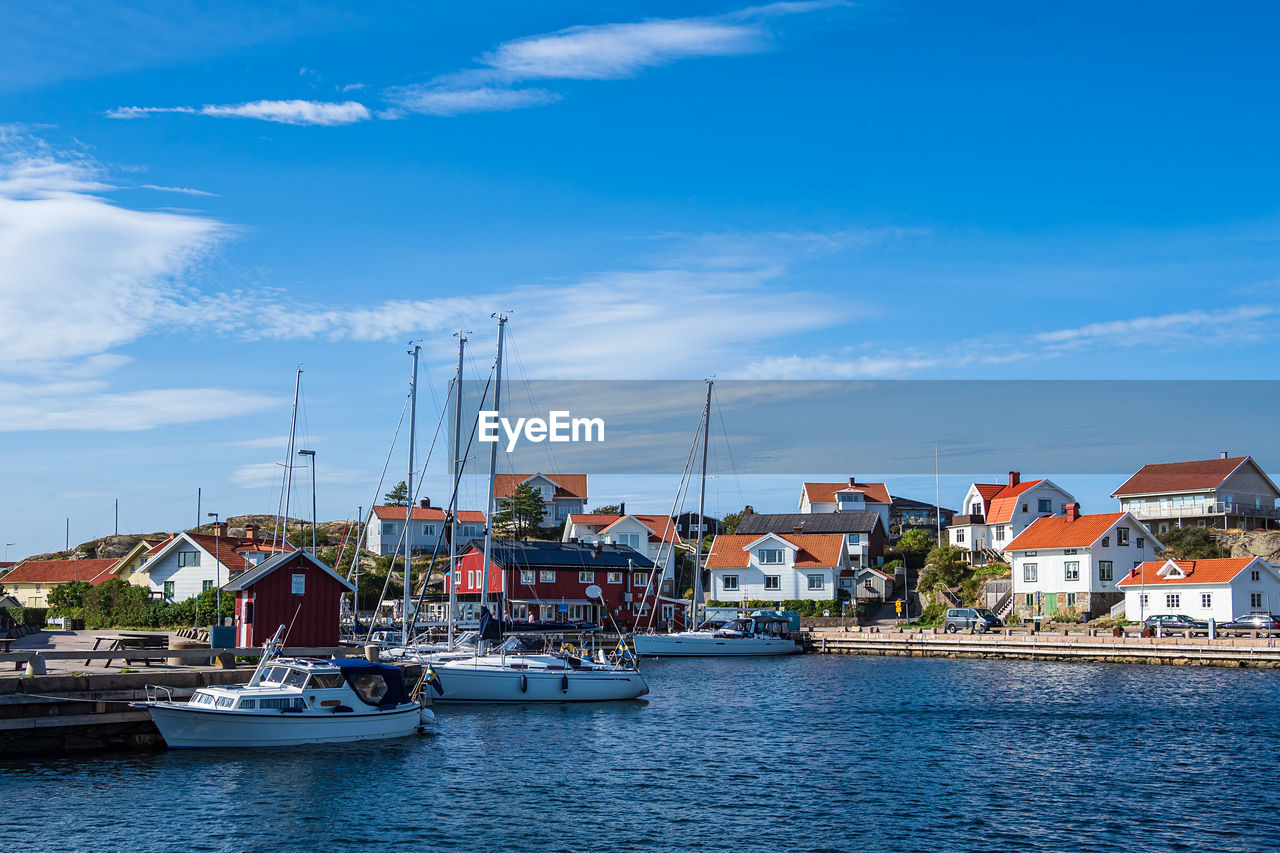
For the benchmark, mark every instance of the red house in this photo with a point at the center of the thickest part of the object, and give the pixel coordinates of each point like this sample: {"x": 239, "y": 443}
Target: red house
{"x": 292, "y": 589}
{"x": 549, "y": 582}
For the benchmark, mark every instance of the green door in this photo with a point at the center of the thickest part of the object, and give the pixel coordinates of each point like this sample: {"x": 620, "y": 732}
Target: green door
{"x": 1050, "y": 603}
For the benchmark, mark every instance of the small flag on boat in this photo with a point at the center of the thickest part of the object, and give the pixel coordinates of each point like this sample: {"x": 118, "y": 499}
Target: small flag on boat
{"x": 623, "y": 651}
{"x": 434, "y": 681}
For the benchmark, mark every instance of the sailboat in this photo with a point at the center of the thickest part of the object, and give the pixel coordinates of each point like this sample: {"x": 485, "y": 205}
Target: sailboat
{"x": 506, "y": 669}
{"x": 756, "y": 635}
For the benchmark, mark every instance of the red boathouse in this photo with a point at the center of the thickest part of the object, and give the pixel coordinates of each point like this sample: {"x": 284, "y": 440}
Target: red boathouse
{"x": 292, "y": 589}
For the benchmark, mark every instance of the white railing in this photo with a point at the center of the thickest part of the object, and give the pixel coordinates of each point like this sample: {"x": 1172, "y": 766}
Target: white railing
{"x": 1149, "y": 510}
{"x": 1117, "y": 610}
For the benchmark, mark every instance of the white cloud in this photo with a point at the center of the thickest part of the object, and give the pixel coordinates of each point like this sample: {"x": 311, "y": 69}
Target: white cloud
{"x": 37, "y": 408}
{"x": 295, "y": 111}
{"x": 444, "y": 101}
{"x": 1237, "y": 322}
{"x": 183, "y": 190}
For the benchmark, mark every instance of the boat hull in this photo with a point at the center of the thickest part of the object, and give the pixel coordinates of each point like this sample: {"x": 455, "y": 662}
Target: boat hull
{"x": 465, "y": 683}
{"x": 698, "y": 644}
{"x": 184, "y": 727}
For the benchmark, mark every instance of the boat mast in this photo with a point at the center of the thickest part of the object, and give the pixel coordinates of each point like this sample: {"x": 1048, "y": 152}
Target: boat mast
{"x": 493, "y": 467}
{"x": 457, "y": 480}
{"x": 408, "y": 511}
{"x": 288, "y": 469}
{"x": 702, "y": 499}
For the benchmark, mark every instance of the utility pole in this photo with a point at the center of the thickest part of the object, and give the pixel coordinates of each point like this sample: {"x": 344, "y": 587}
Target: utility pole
{"x": 68, "y": 546}
{"x": 117, "y": 517}
{"x": 198, "y": 515}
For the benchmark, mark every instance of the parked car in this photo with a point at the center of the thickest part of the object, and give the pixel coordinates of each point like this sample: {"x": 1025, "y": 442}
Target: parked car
{"x": 1177, "y": 622}
{"x": 979, "y": 619}
{"x": 1268, "y": 623}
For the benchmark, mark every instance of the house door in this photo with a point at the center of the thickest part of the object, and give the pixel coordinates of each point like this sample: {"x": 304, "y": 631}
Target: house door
{"x": 668, "y": 612}
{"x": 1050, "y": 603}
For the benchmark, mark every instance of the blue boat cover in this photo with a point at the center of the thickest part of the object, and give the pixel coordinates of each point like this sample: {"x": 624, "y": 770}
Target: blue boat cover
{"x": 353, "y": 668}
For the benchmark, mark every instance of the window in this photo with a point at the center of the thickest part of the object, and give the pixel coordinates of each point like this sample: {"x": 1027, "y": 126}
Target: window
{"x": 614, "y": 577}
{"x": 999, "y": 532}
{"x": 471, "y": 578}
{"x": 428, "y": 530}
{"x": 526, "y": 577}
{"x": 226, "y": 701}
{"x": 729, "y": 583}
{"x": 1029, "y": 599}
{"x": 1255, "y": 600}
{"x": 1044, "y": 505}
{"x": 1206, "y": 600}
{"x": 817, "y": 582}
{"x": 1024, "y": 507}
{"x": 586, "y": 577}
{"x": 1071, "y": 570}
{"x": 249, "y": 704}
{"x": 547, "y": 575}
{"x": 1164, "y": 527}
{"x": 632, "y": 540}
{"x": 1029, "y": 572}
{"x": 1144, "y": 599}
{"x": 1106, "y": 541}
{"x": 188, "y": 558}
{"x": 773, "y": 582}
{"x": 168, "y": 589}
{"x": 205, "y": 586}
{"x": 388, "y": 528}
{"x": 959, "y": 536}
{"x": 1030, "y": 553}
{"x": 1105, "y": 570}
{"x": 1173, "y": 601}
{"x": 854, "y": 538}
{"x": 1142, "y": 543}
{"x": 640, "y": 579}
{"x": 1070, "y": 551}
{"x": 1122, "y": 536}
{"x": 770, "y": 556}
{"x": 1255, "y": 575}
{"x": 975, "y": 508}
{"x": 1071, "y": 599}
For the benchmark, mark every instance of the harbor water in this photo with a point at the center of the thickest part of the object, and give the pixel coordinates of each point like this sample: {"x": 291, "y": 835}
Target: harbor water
{"x": 806, "y": 753}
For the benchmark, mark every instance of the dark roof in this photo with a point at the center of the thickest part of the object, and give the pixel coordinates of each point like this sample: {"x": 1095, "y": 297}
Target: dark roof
{"x": 275, "y": 561}
{"x": 854, "y": 521}
{"x": 566, "y": 555}
{"x": 908, "y": 503}
{"x": 1201, "y": 474}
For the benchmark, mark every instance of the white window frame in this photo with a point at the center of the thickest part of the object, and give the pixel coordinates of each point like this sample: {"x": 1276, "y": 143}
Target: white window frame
{"x": 816, "y": 582}
{"x": 640, "y": 579}
{"x": 772, "y": 582}
{"x": 765, "y": 556}
{"x": 1255, "y": 601}
{"x": 729, "y": 583}
{"x": 527, "y": 577}
{"x": 1206, "y": 600}
{"x": 547, "y": 575}
{"x": 188, "y": 559}
{"x": 613, "y": 577}
{"x": 586, "y": 577}
{"x": 1172, "y": 600}
{"x": 1030, "y": 573}
{"x": 1071, "y": 570}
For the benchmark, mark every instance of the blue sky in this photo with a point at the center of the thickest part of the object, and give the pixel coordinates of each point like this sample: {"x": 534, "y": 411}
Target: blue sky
{"x": 195, "y": 198}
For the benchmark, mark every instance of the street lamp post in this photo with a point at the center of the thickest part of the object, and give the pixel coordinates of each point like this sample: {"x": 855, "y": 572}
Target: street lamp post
{"x": 217, "y": 568}
{"x": 312, "y": 454}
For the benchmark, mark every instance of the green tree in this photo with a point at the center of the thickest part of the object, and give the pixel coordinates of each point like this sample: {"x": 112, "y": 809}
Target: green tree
{"x": 398, "y": 496}
{"x": 522, "y": 512}
{"x": 729, "y": 524}
{"x": 609, "y": 509}
{"x": 915, "y": 545}
{"x": 1187, "y": 543}
{"x": 67, "y": 599}
{"x": 945, "y": 565}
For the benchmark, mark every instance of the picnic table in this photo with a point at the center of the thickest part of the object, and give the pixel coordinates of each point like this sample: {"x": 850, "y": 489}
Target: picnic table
{"x": 127, "y": 642}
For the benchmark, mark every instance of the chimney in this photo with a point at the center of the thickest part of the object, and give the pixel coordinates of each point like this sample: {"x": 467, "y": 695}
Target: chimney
{"x": 598, "y": 549}
{"x": 853, "y": 481}
{"x": 1224, "y": 455}
{"x": 251, "y": 531}
{"x": 622, "y": 508}
{"x": 220, "y": 529}
{"x": 748, "y": 510}
{"x": 1014, "y": 478}
{"x": 796, "y": 530}
{"x": 1073, "y": 511}
{"x": 425, "y": 503}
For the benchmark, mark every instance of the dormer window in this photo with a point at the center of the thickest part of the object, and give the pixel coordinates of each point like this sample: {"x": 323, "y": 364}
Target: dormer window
{"x": 770, "y": 556}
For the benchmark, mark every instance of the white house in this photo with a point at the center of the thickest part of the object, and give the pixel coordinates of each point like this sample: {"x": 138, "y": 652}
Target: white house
{"x": 1231, "y": 491}
{"x": 777, "y": 566}
{"x": 187, "y": 564}
{"x": 654, "y": 536}
{"x": 429, "y": 532}
{"x": 1222, "y": 589}
{"x": 993, "y": 514}
{"x": 846, "y": 496}
{"x": 1075, "y": 562}
{"x": 562, "y": 494}
{"x": 863, "y": 530}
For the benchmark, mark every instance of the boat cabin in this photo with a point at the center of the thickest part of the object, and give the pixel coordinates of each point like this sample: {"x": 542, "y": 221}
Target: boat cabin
{"x": 296, "y": 685}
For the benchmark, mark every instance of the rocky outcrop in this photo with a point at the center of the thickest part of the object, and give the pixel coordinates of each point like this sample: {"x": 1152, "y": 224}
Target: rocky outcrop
{"x": 1254, "y": 543}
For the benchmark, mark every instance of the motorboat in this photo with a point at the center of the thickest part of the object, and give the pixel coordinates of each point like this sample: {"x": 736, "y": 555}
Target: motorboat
{"x": 513, "y": 672}
{"x": 292, "y": 701}
{"x": 756, "y": 635}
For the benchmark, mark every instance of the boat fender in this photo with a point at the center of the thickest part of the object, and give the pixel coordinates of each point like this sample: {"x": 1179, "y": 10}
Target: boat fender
{"x": 564, "y": 684}
{"x": 524, "y": 683}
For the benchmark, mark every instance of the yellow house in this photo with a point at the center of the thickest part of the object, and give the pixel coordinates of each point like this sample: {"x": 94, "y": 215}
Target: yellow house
{"x": 31, "y": 581}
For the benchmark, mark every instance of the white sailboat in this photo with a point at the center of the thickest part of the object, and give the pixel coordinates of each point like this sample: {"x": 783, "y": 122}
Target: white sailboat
{"x": 746, "y": 636}
{"x": 508, "y": 671}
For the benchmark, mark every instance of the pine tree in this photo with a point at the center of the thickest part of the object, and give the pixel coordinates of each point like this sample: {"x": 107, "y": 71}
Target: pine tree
{"x": 522, "y": 512}
{"x": 399, "y": 496}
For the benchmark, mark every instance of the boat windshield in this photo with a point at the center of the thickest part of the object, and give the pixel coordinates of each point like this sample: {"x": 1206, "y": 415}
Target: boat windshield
{"x": 295, "y": 677}
{"x": 275, "y": 675}
{"x": 371, "y": 687}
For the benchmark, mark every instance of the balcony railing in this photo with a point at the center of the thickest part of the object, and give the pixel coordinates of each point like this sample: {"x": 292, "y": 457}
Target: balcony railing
{"x": 1203, "y": 510}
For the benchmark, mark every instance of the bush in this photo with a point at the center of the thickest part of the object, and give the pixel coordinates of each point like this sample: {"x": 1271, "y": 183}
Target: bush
{"x": 803, "y": 606}
{"x": 67, "y": 599}
{"x": 945, "y": 566}
{"x": 1067, "y": 616}
{"x": 932, "y": 615}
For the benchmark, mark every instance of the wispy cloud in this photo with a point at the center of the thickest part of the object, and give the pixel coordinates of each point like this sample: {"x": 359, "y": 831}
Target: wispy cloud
{"x": 183, "y": 190}
{"x": 599, "y": 52}
{"x": 37, "y": 408}
{"x": 300, "y": 112}
{"x": 1238, "y": 322}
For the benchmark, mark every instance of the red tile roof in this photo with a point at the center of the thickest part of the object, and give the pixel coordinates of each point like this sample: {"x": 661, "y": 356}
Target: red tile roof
{"x": 815, "y": 549}
{"x": 826, "y": 492}
{"x": 657, "y": 524}
{"x": 62, "y": 571}
{"x": 593, "y": 518}
{"x": 434, "y": 513}
{"x": 1180, "y": 476}
{"x": 1000, "y": 509}
{"x": 569, "y": 485}
{"x": 1197, "y": 572}
{"x": 1059, "y": 531}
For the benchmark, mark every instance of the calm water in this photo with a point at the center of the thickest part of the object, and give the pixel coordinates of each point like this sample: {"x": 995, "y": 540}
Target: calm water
{"x": 810, "y": 753}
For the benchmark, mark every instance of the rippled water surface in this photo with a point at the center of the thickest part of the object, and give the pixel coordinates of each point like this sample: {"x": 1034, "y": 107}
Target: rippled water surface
{"x": 807, "y": 753}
